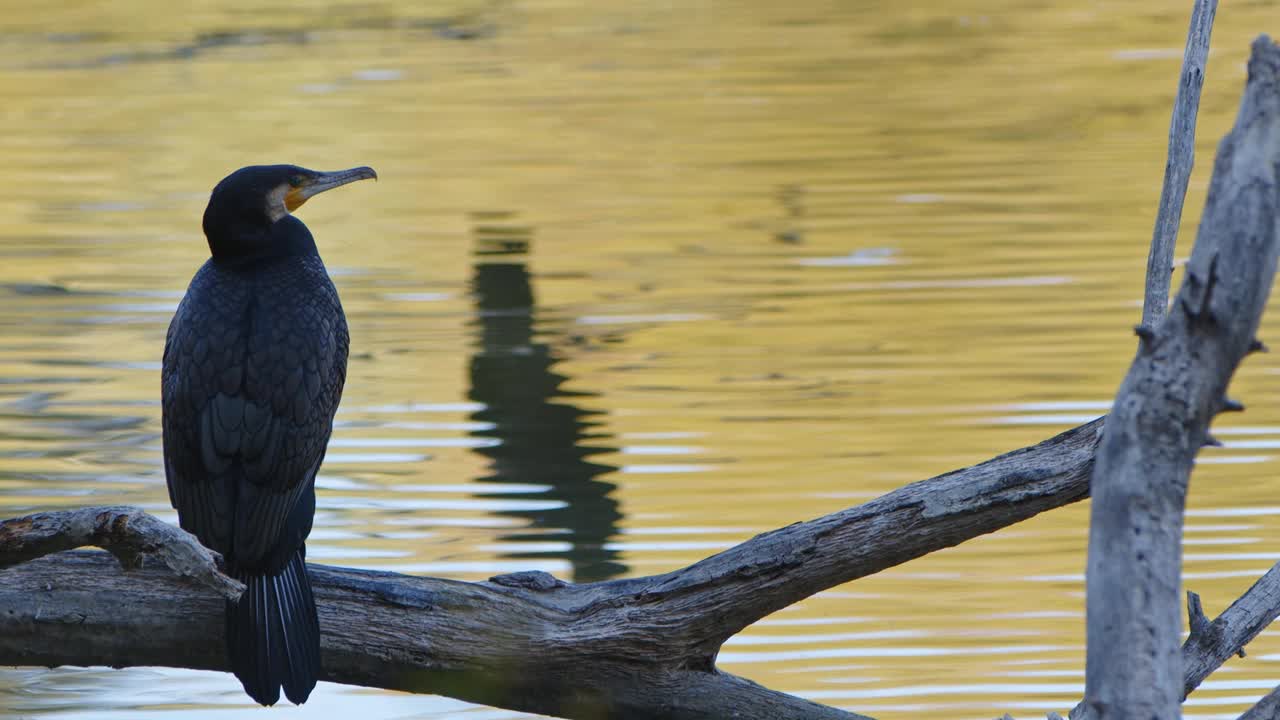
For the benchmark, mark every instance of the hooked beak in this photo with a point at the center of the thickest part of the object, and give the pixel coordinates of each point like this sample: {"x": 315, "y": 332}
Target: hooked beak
{"x": 319, "y": 182}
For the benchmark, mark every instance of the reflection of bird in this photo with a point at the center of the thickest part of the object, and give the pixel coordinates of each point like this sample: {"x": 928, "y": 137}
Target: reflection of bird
{"x": 253, "y": 369}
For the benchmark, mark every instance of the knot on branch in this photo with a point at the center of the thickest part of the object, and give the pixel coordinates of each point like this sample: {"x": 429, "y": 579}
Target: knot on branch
{"x": 529, "y": 580}
{"x": 1229, "y": 405}
{"x": 1146, "y": 338}
{"x": 1200, "y": 313}
{"x": 1202, "y": 631}
{"x": 111, "y": 531}
{"x": 1263, "y": 53}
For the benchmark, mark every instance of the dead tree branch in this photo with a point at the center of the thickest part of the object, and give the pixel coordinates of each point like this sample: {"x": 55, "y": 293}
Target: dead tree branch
{"x": 1177, "y": 169}
{"x": 1213, "y": 643}
{"x": 128, "y": 533}
{"x": 531, "y": 644}
{"x": 1210, "y": 644}
{"x": 1268, "y": 708}
{"x": 1160, "y": 419}
{"x": 636, "y": 648}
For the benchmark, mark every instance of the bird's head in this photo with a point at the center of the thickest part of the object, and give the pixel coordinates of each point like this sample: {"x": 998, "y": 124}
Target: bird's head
{"x": 248, "y": 203}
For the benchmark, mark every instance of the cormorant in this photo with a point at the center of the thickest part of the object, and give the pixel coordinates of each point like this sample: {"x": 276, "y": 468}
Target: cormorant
{"x": 254, "y": 365}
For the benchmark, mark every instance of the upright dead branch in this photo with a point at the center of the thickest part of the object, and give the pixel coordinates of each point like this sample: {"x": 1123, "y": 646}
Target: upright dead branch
{"x": 1161, "y": 415}
{"x": 1177, "y": 169}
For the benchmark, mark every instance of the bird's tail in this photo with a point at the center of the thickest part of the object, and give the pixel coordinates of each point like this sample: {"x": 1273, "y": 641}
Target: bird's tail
{"x": 273, "y": 634}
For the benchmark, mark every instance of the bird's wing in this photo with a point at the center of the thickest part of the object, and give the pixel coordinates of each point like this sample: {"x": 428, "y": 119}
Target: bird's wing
{"x": 249, "y": 399}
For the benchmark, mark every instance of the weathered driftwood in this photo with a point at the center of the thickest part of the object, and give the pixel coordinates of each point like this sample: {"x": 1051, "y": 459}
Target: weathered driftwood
{"x": 532, "y": 644}
{"x": 635, "y": 648}
{"x": 129, "y": 534}
{"x": 1181, "y": 158}
{"x": 1160, "y": 419}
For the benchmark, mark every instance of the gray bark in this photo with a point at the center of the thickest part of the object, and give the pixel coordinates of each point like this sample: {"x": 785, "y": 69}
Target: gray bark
{"x": 1210, "y": 644}
{"x": 636, "y": 648}
{"x": 1213, "y": 643}
{"x": 1177, "y": 169}
{"x": 1268, "y": 708}
{"x": 538, "y": 646}
{"x": 1161, "y": 415}
{"x": 632, "y": 648}
{"x": 129, "y": 534}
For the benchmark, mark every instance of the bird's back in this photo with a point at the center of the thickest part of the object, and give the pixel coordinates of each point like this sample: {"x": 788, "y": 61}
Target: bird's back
{"x": 254, "y": 366}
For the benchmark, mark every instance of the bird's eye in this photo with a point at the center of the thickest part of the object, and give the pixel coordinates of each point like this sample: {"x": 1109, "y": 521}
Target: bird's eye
{"x": 295, "y": 181}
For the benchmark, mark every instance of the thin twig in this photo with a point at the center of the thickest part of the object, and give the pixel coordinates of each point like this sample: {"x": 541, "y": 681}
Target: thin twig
{"x": 1177, "y": 169}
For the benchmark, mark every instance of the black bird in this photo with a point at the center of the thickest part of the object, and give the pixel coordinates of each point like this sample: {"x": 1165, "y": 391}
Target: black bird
{"x": 254, "y": 365}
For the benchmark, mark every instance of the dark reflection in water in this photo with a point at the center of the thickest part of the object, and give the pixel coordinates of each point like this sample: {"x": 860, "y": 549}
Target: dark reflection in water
{"x": 465, "y": 27}
{"x": 541, "y": 434}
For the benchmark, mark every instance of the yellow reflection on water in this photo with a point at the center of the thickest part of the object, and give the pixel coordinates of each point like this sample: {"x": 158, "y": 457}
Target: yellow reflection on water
{"x": 782, "y": 259}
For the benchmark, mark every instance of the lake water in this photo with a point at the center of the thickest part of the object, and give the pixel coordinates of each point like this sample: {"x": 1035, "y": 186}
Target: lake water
{"x": 638, "y": 281}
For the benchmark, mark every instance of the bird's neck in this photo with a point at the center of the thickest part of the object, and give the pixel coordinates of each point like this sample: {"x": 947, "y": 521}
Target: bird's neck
{"x": 241, "y": 246}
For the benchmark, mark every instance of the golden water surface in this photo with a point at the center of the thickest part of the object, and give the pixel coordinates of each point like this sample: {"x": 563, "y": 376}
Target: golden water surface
{"x": 638, "y": 281}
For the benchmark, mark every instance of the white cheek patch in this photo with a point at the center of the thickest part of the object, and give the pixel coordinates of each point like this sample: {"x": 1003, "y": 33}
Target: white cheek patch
{"x": 275, "y": 203}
